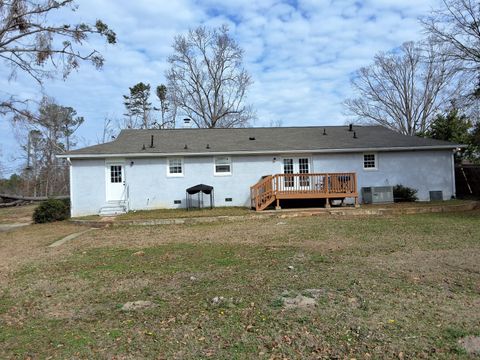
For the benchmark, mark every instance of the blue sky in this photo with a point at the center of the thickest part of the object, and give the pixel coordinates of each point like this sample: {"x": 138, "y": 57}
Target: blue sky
{"x": 301, "y": 55}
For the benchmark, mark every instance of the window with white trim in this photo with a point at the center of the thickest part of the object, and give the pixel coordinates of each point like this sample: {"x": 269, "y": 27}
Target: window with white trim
{"x": 369, "y": 161}
{"x": 175, "y": 167}
{"x": 223, "y": 165}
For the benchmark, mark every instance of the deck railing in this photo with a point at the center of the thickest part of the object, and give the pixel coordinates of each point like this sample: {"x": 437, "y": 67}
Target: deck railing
{"x": 315, "y": 185}
{"x": 324, "y": 183}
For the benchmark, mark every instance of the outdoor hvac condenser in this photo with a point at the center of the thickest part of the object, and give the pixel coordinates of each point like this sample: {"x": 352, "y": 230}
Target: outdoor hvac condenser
{"x": 377, "y": 194}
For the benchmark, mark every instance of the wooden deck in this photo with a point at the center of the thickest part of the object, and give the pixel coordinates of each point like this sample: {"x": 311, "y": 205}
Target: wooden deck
{"x": 303, "y": 186}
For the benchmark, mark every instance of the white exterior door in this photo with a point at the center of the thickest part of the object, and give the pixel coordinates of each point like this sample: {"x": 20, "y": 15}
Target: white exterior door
{"x": 115, "y": 174}
{"x": 300, "y": 165}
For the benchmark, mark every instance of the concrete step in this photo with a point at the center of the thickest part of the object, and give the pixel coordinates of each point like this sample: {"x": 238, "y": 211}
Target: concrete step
{"x": 112, "y": 210}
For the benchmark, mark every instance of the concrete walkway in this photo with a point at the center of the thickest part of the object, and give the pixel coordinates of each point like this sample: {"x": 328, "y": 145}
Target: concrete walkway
{"x": 69, "y": 238}
{"x": 8, "y": 227}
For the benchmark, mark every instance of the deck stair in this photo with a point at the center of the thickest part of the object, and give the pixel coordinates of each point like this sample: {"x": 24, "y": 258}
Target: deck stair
{"x": 327, "y": 186}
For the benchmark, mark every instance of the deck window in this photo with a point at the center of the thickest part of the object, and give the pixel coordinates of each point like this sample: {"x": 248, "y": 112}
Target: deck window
{"x": 369, "y": 161}
{"x": 175, "y": 167}
{"x": 223, "y": 165}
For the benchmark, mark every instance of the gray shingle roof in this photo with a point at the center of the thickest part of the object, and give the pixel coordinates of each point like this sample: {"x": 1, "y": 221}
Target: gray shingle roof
{"x": 257, "y": 140}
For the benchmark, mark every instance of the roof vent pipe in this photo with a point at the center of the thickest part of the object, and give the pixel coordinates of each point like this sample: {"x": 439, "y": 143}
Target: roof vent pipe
{"x": 350, "y": 127}
{"x": 324, "y": 132}
{"x": 355, "y": 135}
{"x": 187, "y": 123}
{"x": 208, "y": 146}
{"x": 151, "y": 142}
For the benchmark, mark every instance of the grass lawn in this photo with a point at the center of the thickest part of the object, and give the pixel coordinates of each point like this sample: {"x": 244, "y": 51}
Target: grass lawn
{"x": 182, "y": 213}
{"x": 16, "y": 214}
{"x": 238, "y": 211}
{"x": 392, "y": 287}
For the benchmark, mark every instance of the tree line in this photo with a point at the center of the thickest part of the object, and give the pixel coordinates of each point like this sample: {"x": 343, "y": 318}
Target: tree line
{"x": 206, "y": 82}
{"x": 431, "y": 87}
{"x": 426, "y": 88}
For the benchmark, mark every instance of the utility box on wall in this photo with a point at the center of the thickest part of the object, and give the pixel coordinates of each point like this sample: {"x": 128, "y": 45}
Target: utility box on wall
{"x": 436, "y": 195}
{"x": 377, "y": 195}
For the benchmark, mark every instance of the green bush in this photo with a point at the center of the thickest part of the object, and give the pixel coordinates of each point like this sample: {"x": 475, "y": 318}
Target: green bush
{"x": 404, "y": 193}
{"x": 52, "y": 210}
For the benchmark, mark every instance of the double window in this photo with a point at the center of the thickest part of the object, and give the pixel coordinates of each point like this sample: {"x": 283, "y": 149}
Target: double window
{"x": 370, "y": 161}
{"x": 223, "y": 165}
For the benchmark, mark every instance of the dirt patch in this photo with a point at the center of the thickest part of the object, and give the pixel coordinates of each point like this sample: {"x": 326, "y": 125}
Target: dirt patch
{"x": 129, "y": 284}
{"x": 299, "y": 302}
{"x": 306, "y": 300}
{"x": 138, "y": 305}
{"x": 471, "y": 344}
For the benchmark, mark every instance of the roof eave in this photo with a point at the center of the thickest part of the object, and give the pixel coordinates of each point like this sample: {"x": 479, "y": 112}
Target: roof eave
{"x": 262, "y": 152}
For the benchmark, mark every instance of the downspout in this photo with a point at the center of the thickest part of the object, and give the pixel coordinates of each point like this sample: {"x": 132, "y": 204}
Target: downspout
{"x": 454, "y": 189}
{"x": 71, "y": 184}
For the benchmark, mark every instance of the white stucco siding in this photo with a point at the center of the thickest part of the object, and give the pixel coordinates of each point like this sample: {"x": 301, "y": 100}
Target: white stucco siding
{"x": 87, "y": 186}
{"x": 422, "y": 170}
{"x": 150, "y": 187}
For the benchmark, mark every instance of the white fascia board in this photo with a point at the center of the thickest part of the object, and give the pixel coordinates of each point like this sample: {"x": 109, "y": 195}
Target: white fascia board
{"x": 267, "y": 152}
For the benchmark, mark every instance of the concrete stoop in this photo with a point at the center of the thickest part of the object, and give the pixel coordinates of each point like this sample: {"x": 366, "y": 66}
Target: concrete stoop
{"x": 112, "y": 209}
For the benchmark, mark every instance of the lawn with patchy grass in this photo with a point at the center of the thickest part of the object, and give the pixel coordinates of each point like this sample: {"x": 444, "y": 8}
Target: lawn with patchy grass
{"x": 183, "y": 213}
{"x": 16, "y": 214}
{"x": 392, "y": 287}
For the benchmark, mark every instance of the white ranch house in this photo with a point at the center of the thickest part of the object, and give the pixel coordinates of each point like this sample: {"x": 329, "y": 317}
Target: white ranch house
{"x": 258, "y": 167}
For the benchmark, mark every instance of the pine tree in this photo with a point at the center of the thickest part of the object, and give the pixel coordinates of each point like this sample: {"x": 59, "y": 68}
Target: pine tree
{"x": 138, "y": 106}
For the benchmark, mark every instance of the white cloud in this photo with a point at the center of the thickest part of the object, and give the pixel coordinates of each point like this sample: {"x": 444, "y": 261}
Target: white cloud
{"x": 300, "y": 54}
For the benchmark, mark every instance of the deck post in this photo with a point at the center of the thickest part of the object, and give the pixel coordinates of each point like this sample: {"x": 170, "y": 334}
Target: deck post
{"x": 278, "y": 205}
{"x": 327, "y": 203}
{"x": 356, "y": 202}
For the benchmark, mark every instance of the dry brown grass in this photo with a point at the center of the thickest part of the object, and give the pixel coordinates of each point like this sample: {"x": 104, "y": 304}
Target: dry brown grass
{"x": 21, "y": 246}
{"x": 402, "y": 286}
{"x": 16, "y": 214}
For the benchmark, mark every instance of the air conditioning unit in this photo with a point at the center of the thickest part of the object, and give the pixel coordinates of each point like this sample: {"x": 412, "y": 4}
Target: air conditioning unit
{"x": 377, "y": 194}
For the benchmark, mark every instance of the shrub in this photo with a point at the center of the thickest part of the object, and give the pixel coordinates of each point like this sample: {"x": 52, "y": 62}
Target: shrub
{"x": 52, "y": 210}
{"x": 404, "y": 193}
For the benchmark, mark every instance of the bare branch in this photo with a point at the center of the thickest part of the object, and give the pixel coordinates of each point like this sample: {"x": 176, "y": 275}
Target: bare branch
{"x": 402, "y": 89}
{"x": 31, "y": 44}
{"x": 207, "y": 79}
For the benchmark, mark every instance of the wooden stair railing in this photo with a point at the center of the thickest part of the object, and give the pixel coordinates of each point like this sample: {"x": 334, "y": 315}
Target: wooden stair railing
{"x": 262, "y": 193}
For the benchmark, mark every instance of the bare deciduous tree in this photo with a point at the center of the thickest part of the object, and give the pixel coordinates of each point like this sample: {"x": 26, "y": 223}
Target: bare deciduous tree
{"x": 403, "y": 88}
{"x": 456, "y": 26}
{"x": 32, "y": 44}
{"x": 110, "y": 128}
{"x": 207, "y": 78}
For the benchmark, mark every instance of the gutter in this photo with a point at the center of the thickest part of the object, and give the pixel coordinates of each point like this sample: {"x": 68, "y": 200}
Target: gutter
{"x": 259, "y": 152}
